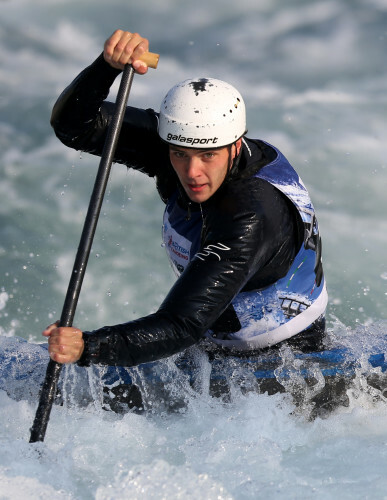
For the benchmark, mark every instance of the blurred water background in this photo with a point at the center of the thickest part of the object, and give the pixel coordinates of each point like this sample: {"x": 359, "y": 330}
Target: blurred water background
{"x": 313, "y": 75}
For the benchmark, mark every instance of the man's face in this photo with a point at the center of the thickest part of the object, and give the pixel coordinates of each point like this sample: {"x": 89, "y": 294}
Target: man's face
{"x": 202, "y": 171}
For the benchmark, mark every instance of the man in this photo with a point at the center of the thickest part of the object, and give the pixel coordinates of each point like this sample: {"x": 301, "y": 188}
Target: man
{"x": 239, "y": 227}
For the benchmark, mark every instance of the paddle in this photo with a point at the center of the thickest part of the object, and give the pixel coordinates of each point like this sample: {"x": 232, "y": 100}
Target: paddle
{"x": 50, "y": 383}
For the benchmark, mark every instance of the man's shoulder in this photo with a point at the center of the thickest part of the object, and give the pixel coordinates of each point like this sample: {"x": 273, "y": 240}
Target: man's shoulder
{"x": 258, "y": 150}
{"x": 250, "y": 197}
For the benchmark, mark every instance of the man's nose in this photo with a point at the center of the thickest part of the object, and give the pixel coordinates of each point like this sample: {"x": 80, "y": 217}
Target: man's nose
{"x": 193, "y": 167}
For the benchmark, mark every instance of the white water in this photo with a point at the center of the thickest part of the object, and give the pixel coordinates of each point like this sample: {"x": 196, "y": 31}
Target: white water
{"x": 313, "y": 76}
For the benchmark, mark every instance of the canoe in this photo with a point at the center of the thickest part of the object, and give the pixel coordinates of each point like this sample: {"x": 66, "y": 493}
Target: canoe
{"x": 317, "y": 380}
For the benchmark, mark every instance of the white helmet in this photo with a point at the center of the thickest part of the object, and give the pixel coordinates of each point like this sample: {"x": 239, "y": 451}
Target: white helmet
{"x": 202, "y": 113}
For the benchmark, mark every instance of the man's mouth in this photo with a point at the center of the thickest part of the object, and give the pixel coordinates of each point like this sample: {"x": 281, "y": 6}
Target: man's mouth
{"x": 196, "y": 187}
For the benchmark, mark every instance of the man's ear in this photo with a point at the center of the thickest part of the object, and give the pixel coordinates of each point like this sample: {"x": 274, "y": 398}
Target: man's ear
{"x": 238, "y": 145}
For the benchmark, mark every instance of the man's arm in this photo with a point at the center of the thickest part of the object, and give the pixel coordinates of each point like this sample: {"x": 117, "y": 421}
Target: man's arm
{"x": 248, "y": 233}
{"x": 243, "y": 237}
{"x": 81, "y": 115}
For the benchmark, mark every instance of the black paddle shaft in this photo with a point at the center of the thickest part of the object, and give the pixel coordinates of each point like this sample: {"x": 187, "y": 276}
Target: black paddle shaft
{"x": 50, "y": 383}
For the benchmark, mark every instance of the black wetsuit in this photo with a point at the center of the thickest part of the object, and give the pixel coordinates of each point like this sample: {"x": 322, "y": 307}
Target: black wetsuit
{"x": 259, "y": 225}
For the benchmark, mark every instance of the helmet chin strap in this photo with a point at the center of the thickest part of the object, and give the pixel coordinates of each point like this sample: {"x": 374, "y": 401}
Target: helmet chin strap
{"x": 233, "y": 162}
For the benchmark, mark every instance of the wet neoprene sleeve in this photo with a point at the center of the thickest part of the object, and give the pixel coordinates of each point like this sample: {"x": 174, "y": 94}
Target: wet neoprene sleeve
{"x": 81, "y": 117}
{"x": 206, "y": 287}
{"x": 248, "y": 221}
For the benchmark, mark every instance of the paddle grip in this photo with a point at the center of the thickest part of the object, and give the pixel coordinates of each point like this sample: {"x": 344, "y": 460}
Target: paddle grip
{"x": 150, "y": 59}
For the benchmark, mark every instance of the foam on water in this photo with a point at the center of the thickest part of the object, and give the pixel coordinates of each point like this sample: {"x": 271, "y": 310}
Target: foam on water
{"x": 251, "y": 447}
{"x": 313, "y": 77}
